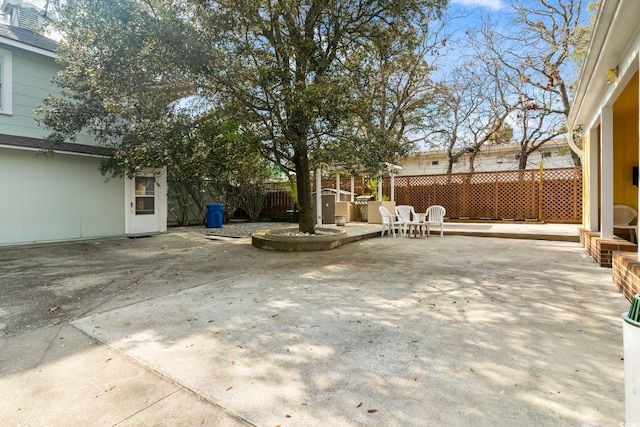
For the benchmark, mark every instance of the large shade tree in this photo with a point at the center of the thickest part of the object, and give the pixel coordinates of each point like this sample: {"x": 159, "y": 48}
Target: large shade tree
{"x": 551, "y": 30}
{"x": 474, "y": 103}
{"x": 518, "y": 76}
{"x": 278, "y": 67}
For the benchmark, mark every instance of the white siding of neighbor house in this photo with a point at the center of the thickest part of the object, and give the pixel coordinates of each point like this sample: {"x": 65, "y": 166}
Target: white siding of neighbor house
{"x": 44, "y": 198}
{"x": 424, "y": 163}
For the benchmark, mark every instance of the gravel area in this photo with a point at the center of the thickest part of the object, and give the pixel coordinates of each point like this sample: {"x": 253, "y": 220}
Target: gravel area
{"x": 233, "y": 229}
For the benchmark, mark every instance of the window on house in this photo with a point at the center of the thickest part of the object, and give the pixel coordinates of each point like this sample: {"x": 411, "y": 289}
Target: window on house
{"x": 546, "y": 154}
{"x": 5, "y": 82}
{"x": 434, "y": 162}
{"x": 145, "y": 195}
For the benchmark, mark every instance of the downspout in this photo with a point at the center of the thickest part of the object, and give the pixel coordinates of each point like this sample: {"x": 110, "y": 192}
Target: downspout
{"x": 573, "y": 145}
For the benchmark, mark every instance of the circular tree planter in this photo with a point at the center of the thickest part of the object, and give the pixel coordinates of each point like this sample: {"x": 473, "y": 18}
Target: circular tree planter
{"x": 291, "y": 240}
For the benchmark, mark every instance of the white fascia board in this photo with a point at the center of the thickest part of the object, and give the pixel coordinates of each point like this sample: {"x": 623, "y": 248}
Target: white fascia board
{"x": 29, "y": 48}
{"x": 601, "y": 30}
{"x": 68, "y": 153}
{"x": 615, "y": 43}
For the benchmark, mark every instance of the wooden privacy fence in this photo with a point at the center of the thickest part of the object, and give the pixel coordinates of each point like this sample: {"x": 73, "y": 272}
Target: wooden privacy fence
{"x": 500, "y": 195}
{"x": 497, "y": 195}
{"x": 276, "y": 203}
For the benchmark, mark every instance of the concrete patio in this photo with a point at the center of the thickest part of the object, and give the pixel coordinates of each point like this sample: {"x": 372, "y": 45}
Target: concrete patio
{"x": 179, "y": 329}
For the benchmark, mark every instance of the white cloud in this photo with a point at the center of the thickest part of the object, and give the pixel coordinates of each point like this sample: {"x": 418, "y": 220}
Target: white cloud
{"x": 491, "y": 4}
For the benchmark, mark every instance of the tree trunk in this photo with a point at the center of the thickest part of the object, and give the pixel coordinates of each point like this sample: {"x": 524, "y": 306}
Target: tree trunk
{"x": 472, "y": 161}
{"x": 522, "y": 160}
{"x": 306, "y": 223}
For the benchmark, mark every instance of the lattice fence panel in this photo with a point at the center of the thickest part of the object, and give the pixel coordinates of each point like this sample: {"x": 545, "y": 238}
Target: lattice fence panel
{"x": 345, "y": 184}
{"x": 495, "y": 195}
{"x": 449, "y": 191}
{"x": 276, "y": 204}
{"x": 565, "y": 187}
{"x": 480, "y": 195}
{"x": 326, "y": 183}
{"x": 517, "y": 195}
{"x": 420, "y": 197}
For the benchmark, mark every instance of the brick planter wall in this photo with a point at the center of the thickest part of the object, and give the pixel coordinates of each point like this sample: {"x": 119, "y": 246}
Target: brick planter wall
{"x": 619, "y": 254}
{"x": 602, "y": 250}
{"x": 626, "y": 273}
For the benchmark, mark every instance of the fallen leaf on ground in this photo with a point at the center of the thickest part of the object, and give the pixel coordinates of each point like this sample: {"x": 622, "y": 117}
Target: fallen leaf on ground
{"x": 54, "y": 308}
{"x": 287, "y": 416}
{"x": 359, "y": 405}
{"x": 371, "y": 411}
{"x": 229, "y": 388}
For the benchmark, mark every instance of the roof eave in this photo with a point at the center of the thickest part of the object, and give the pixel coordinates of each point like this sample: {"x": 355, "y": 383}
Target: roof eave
{"x": 27, "y": 47}
{"x": 615, "y": 26}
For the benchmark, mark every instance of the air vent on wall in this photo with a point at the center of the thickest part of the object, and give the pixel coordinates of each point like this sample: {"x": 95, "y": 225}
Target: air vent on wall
{"x": 28, "y": 18}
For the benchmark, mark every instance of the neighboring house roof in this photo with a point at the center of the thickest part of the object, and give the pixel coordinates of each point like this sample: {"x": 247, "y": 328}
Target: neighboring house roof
{"x": 27, "y": 39}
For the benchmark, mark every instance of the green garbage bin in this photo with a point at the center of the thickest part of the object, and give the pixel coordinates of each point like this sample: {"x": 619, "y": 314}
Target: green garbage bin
{"x": 631, "y": 343}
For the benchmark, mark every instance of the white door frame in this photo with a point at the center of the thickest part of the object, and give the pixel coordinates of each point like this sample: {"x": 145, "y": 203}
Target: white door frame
{"x": 144, "y": 224}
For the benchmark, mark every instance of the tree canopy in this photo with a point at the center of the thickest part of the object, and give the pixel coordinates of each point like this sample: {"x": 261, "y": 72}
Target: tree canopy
{"x": 283, "y": 70}
{"x": 515, "y": 69}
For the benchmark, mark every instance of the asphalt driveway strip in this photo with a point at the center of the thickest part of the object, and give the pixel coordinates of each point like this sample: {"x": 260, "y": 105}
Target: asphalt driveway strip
{"x": 395, "y": 332}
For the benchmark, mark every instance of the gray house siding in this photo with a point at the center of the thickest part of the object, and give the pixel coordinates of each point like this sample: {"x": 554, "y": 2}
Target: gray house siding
{"x": 56, "y": 196}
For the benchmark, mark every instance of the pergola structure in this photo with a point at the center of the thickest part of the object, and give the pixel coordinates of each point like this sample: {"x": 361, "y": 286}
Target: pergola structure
{"x": 389, "y": 168}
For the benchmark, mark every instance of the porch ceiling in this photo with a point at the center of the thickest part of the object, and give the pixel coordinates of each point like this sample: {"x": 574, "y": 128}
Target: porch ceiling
{"x": 626, "y": 106}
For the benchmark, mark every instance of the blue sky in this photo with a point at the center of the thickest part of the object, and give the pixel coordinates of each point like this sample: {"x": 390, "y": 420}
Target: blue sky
{"x": 490, "y": 4}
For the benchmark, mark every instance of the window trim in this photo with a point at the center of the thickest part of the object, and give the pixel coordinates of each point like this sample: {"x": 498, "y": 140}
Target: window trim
{"x": 6, "y": 88}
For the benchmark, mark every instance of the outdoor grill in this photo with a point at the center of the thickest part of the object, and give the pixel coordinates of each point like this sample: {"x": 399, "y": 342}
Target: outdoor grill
{"x": 362, "y": 202}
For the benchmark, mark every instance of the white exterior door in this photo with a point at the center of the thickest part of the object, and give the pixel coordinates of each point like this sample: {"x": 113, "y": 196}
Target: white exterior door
{"x": 146, "y": 203}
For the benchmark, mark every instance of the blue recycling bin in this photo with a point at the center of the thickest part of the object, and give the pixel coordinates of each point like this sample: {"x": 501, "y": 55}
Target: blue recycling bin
{"x": 214, "y": 215}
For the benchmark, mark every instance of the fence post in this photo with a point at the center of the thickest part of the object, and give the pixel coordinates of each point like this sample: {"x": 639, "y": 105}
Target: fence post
{"x": 496, "y": 202}
{"x": 540, "y": 187}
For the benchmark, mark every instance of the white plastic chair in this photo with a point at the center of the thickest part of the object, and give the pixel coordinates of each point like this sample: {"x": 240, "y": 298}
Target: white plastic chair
{"x": 389, "y": 222}
{"x": 435, "y": 215}
{"x": 408, "y": 216}
{"x": 623, "y": 215}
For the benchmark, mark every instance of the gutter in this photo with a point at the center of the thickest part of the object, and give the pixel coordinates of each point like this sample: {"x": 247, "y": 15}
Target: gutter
{"x": 608, "y": 10}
